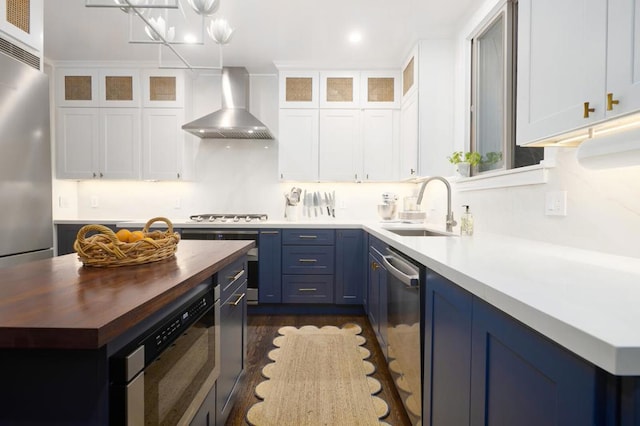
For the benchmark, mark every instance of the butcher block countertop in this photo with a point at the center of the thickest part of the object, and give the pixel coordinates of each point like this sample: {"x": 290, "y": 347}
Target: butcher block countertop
{"x": 58, "y": 303}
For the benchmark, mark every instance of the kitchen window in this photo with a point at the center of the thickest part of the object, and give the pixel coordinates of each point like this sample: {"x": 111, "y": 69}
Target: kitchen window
{"x": 493, "y": 94}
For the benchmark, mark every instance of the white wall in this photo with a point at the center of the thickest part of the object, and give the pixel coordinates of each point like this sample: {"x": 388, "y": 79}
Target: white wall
{"x": 603, "y": 206}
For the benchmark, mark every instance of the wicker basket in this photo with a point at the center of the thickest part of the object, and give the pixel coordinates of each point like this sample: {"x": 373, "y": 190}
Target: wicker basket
{"x": 103, "y": 249}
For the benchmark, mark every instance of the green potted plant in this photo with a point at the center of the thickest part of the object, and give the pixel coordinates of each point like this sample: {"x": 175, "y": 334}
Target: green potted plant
{"x": 464, "y": 161}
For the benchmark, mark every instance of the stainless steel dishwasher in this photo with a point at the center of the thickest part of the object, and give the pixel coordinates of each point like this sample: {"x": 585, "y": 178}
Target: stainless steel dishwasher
{"x": 403, "y": 329}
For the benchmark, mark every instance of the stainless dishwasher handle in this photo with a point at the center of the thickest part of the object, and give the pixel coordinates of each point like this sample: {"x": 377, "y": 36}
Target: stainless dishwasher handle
{"x": 412, "y": 280}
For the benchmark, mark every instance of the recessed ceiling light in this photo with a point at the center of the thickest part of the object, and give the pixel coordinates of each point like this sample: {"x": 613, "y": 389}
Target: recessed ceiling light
{"x": 355, "y": 37}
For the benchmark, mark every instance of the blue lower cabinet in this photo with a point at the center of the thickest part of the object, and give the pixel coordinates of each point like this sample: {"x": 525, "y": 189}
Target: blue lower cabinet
{"x": 270, "y": 266}
{"x": 519, "y": 377}
{"x": 350, "y": 268}
{"x": 447, "y": 354}
{"x": 307, "y": 289}
{"x": 377, "y": 298}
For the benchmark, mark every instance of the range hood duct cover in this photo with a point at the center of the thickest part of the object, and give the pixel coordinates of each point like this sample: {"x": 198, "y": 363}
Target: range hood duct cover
{"x": 233, "y": 121}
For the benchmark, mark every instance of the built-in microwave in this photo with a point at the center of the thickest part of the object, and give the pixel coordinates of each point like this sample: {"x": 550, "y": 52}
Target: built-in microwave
{"x": 166, "y": 372}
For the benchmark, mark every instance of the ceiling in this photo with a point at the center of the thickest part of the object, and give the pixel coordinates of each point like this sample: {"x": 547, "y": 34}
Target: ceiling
{"x": 303, "y": 33}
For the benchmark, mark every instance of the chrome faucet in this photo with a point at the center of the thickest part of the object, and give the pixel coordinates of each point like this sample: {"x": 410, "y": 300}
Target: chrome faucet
{"x": 450, "y": 221}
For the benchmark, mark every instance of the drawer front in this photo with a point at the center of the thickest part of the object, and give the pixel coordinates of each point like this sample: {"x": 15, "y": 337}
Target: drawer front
{"x": 307, "y": 259}
{"x": 231, "y": 276}
{"x": 307, "y": 289}
{"x": 379, "y": 245}
{"x": 308, "y": 236}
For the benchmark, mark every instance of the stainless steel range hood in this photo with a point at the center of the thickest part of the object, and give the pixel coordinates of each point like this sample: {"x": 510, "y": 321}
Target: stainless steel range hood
{"x": 233, "y": 121}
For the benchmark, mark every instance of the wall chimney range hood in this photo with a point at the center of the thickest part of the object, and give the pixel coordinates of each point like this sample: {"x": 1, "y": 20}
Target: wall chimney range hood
{"x": 233, "y": 120}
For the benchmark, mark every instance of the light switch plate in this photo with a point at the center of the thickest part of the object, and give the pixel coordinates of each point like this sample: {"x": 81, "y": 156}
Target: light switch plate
{"x": 556, "y": 203}
{"x": 94, "y": 202}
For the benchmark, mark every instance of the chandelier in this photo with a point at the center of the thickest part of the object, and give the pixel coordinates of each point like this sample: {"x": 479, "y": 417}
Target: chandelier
{"x": 169, "y": 23}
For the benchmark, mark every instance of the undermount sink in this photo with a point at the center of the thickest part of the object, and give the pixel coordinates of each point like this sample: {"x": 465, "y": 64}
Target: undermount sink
{"x": 418, "y": 233}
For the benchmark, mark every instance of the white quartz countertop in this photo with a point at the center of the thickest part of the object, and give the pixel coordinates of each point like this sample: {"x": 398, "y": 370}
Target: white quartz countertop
{"x": 586, "y": 301}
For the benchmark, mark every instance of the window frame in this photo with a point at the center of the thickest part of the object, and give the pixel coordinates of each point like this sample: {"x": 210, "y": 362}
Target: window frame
{"x": 507, "y": 10}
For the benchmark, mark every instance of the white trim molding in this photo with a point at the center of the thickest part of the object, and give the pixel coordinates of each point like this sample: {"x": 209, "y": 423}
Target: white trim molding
{"x": 523, "y": 176}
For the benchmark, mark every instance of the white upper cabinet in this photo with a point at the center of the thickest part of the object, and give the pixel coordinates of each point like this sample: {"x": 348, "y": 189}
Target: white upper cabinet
{"x": 562, "y": 51}
{"x": 380, "y": 132}
{"x": 380, "y": 89}
{"x": 22, "y": 23}
{"x": 623, "y": 58}
{"x": 340, "y": 147}
{"x": 98, "y": 143}
{"x": 298, "y": 144}
{"x": 339, "y": 89}
{"x": 119, "y": 88}
{"x": 163, "y": 144}
{"x": 299, "y": 89}
{"x": 163, "y": 88}
{"x": 95, "y": 87}
{"x": 410, "y": 74}
{"x": 77, "y": 87}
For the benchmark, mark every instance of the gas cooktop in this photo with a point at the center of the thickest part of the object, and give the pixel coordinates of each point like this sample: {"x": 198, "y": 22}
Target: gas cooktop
{"x": 228, "y": 217}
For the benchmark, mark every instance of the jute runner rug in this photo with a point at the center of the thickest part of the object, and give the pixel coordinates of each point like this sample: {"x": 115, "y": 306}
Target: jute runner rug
{"x": 318, "y": 377}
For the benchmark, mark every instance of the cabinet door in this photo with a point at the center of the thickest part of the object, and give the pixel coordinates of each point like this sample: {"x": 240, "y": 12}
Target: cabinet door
{"x": 77, "y": 136}
{"x": 298, "y": 144}
{"x": 119, "y": 143}
{"x": 340, "y": 146}
{"x": 233, "y": 340}
{"x": 350, "y": 263}
{"x": 409, "y": 134}
{"x": 162, "y": 144}
{"x": 299, "y": 89}
{"x": 623, "y": 56}
{"x": 518, "y": 377}
{"x": 23, "y": 21}
{"x": 380, "y": 89}
{"x": 119, "y": 88}
{"x": 561, "y": 65}
{"x": 378, "y": 137}
{"x": 77, "y": 87}
{"x": 339, "y": 89}
{"x": 163, "y": 88}
{"x": 270, "y": 266}
{"x": 378, "y": 298}
{"x": 410, "y": 75}
{"x": 447, "y": 352}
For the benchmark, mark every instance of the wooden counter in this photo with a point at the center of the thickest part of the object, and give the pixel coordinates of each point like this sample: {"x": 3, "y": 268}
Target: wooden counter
{"x": 59, "y": 304}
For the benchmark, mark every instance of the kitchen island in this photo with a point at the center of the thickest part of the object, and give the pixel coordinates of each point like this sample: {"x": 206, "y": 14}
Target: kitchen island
{"x": 60, "y": 322}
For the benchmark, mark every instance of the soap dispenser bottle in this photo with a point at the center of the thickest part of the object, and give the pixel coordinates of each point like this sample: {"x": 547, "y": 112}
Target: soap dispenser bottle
{"x": 466, "y": 222}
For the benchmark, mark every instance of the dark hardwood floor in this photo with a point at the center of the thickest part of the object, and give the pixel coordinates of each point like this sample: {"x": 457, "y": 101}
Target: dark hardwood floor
{"x": 261, "y": 331}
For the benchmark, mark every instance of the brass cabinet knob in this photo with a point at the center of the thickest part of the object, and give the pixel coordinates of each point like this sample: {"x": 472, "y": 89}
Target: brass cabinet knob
{"x": 611, "y": 102}
{"x": 587, "y": 110}
{"x": 374, "y": 266}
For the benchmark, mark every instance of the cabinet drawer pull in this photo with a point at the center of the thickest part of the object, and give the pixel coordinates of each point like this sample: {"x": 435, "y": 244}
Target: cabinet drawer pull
{"x": 240, "y": 297}
{"x": 308, "y": 237}
{"x": 611, "y": 102}
{"x": 270, "y": 232}
{"x": 308, "y": 289}
{"x": 307, "y": 260}
{"x": 587, "y": 110}
{"x": 236, "y": 276}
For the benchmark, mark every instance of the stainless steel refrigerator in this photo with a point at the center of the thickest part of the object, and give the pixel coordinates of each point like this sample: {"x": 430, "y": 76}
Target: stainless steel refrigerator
{"x": 26, "y": 226}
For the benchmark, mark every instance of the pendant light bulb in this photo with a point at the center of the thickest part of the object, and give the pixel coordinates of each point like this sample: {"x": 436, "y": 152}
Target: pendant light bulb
{"x": 204, "y": 7}
{"x": 220, "y": 31}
